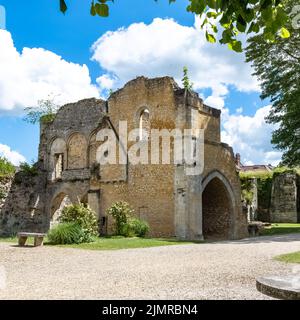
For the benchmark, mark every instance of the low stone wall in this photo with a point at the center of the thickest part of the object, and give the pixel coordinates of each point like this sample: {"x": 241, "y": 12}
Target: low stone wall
{"x": 22, "y": 204}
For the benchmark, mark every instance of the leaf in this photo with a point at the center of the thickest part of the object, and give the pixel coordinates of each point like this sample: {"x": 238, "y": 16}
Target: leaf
{"x": 224, "y": 21}
{"x": 102, "y": 9}
{"x": 284, "y": 33}
{"x": 211, "y": 3}
{"x": 227, "y": 36}
{"x": 210, "y": 37}
{"x": 235, "y": 46}
{"x": 211, "y": 14}
{"x": 63, "y": 7}
{"x": 93, "y": 10}
{"x": 254, "y": 27}
{"x": 241, "y": 24}
{"x": 197, "y": 6}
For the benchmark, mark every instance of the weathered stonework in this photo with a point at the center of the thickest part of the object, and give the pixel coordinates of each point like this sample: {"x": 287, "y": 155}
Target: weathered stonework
{"x": 285, "y": 198}
{"x": 23, "y": 207}
{"x": 207, "y": 205}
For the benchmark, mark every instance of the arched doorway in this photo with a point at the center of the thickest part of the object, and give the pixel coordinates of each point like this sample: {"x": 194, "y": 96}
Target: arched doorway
{"x": 217, "y": 208}
{"x": 58, "y": 204}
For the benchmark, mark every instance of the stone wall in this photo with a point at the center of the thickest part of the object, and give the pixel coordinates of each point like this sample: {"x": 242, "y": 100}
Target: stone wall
{"x": 23, "y": 207}
{"x": 284, "y": 199}
{"x": 162, "y": 194}
{"x": 5, "y": 185}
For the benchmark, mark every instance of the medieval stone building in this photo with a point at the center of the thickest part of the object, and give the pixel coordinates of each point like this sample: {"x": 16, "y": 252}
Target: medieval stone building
{"x": 206, "y": 205}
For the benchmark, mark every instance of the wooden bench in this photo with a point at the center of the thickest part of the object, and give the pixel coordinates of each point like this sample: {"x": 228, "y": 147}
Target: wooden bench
{"x": 38, "y": 238}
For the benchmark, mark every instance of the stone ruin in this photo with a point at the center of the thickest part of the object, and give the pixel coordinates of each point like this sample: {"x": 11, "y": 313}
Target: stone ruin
{"x": 207, "y": 205}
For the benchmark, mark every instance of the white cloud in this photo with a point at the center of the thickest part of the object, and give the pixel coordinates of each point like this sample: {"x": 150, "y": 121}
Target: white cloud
{"x": 106, "y": 82}
{"x": 13, "y": 156}
{"x": 250, "y": 136}
{"x": 162, "y": 48}
{"x": 35, "y": 74}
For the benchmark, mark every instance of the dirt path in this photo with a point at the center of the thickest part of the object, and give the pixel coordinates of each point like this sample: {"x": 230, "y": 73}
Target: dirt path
{"x": 223, "y": 270}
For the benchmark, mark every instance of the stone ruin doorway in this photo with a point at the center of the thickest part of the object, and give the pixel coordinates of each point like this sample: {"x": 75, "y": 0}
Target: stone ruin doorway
{"x": 217, "y": 210}
{"x": 58, "y": 204}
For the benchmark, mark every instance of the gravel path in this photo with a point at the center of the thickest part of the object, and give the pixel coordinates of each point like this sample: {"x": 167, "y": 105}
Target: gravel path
{"x": 222, "y": 270}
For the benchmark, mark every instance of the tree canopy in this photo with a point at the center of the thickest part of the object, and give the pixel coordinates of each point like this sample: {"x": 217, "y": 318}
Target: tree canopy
{"x": 277, "y": 66}
{"x": 231, "y": 16}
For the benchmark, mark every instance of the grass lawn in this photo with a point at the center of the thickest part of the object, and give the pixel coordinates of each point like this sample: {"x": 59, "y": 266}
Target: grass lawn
{"x": 290, "y": 257}
{"x": 114, "y": 243}
{"x": 281, "y": 228}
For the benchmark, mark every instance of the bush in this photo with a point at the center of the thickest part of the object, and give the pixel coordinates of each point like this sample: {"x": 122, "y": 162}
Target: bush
{"x": 66, "y": 233}
{"x": 84, "y": 217}
{"x": 125, "y": 224}
{"x": 121, "y": 212}
{"x": 135, "y": 227}
{"x": 7, "y": 169}
{"x": 140, "y": 227}
{"x": 28, "y": 169}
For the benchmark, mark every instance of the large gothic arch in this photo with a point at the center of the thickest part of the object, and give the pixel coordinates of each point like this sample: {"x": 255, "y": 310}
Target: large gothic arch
{"x": 218, "y": 205}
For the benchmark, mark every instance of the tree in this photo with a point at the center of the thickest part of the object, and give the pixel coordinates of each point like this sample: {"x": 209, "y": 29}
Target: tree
{"x": 45, "y": 112}
{"x": 277, "y": 66}
{"x": 233, "y": 16}
{"x": 187, "y": 84}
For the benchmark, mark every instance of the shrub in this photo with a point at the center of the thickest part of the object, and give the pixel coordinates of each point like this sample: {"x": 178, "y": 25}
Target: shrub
{"x": 66, "y": 233}
{"x": 140, "y": 227}
{"x": 6, "y": 168}
{"x": 28, "y": 169}
{"x": 135, "y": 227}
{"x": 127, "y": 230}
{"x": 84, "y": 217}
{"x": 121, "y": 212}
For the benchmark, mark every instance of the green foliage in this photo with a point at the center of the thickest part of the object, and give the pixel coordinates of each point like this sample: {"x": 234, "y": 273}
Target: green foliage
{"x": 247, "y": 193}
{"x": 121, "y": 212}
{"x": 293, "y": 257}
{"x": 66, "y": 233}
{"x": 7, "y": 169}
{"x": 264, "y": 187}
{"x": 187, "y": 84}
{"x": 84, "y": 216}
{"x": 125, "y": 223}
{"x": 119, "y": 243}
{"x": 28, "y": 169}
{"x": 135, "y": 227}
{"x": 45, "y": 112}
{"x": 277, "y": 66}
{"x": 254, "y": 16}
{"x": 256, "y": 174}
{"x": 281, "y": 228}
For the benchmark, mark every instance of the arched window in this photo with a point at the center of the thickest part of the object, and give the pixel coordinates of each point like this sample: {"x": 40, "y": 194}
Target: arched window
{"x": 57, "y": 158}
{"x": 77, "y": 152}
{"x": 144, "y": 124}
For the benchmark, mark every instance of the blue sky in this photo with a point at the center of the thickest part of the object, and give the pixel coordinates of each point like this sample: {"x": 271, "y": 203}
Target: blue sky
{"x": 221, "y": 77}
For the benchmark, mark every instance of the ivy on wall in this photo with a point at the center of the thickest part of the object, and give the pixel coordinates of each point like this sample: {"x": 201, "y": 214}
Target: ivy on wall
{"x": 264, "y": 187}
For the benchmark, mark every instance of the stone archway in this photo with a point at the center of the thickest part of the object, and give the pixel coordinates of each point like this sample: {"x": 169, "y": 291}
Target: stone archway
{"x": 217, "y": 207}
{"x": 58, "y": 204}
